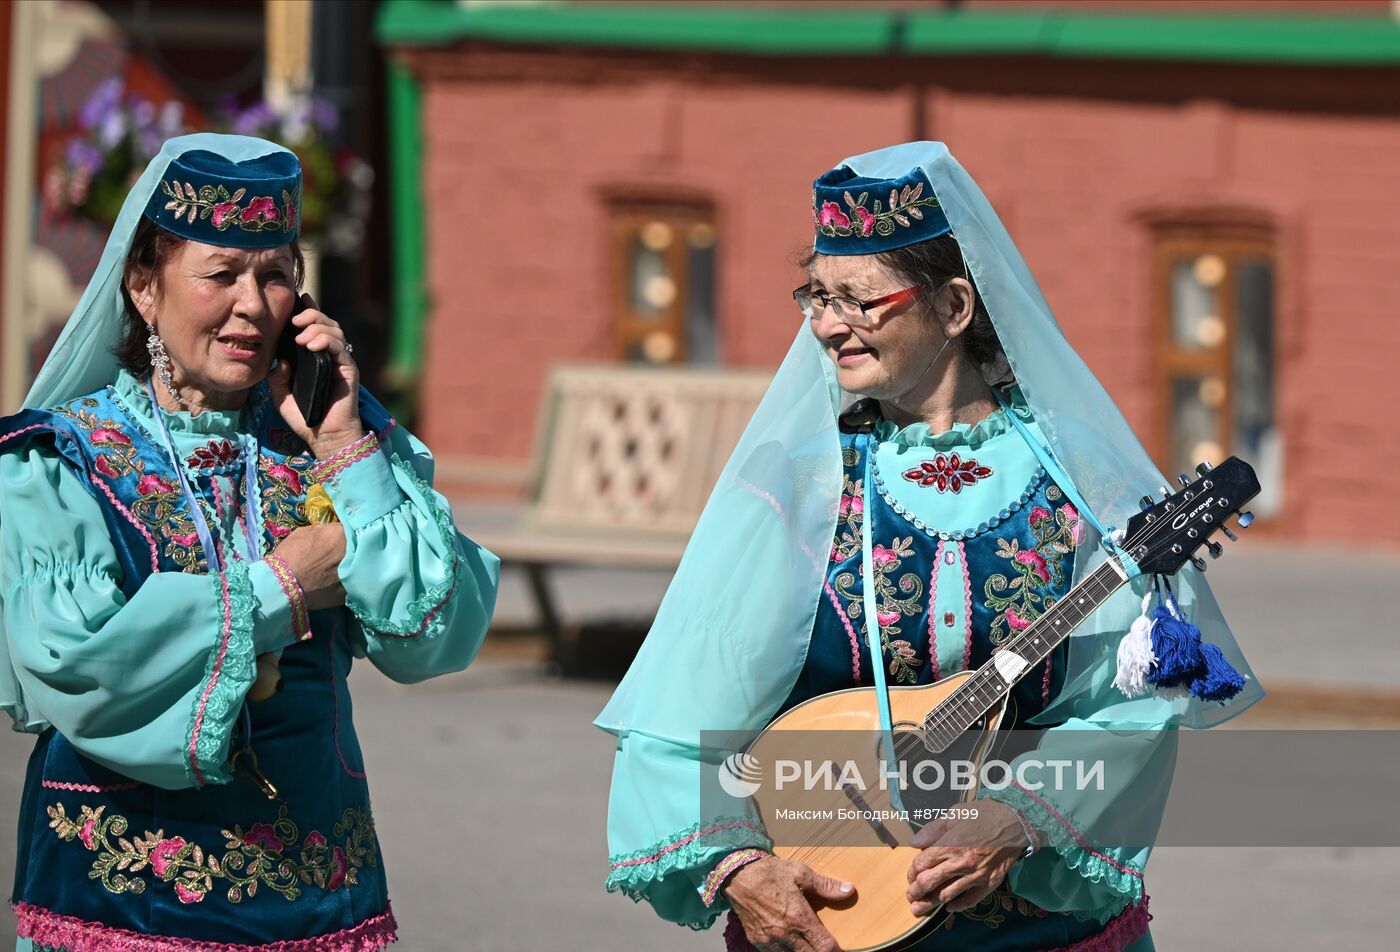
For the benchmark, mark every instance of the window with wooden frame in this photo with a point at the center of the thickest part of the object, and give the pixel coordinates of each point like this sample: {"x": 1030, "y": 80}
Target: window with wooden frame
{"x": 1215, "y": 355}
{"x": 663, "y": 283}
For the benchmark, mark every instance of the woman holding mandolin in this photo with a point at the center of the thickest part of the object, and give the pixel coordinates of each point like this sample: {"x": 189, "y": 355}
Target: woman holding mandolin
{"x": 931, "y": 473}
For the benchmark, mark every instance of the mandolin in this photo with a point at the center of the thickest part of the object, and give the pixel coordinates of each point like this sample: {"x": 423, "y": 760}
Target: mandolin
{"x": 958, "y": 716}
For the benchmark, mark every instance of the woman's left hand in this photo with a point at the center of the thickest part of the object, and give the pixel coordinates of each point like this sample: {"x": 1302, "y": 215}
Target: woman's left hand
{"x": 962, "y": 861}
{"x": 341, "y": 425}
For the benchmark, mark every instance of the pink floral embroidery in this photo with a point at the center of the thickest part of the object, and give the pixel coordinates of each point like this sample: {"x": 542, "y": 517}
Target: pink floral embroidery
{"x": 1035, "y": 562}
{"x": 1015, "y": 621}
{"x": 222, "y": 211}
{"x": 151, "y": 484}
{"x": 1071, "y": 516}
{"x": 188, "y": 893}
{"x": 106, "y": 437}
{"x": 338, "y": 869}
{"x": 165, "y": 853}
{"x": 104, "y": 466}
{"x": 286, "y": 473}
{"x": 948, "y": 472}
{"x": 867, "y": 220}
{"x": 887, "y": 618}
{"x": 1039, "y": 514}
{"x": 882, "y": 556}
{"x": 851, "y": 504}
{"x": 263, "y": 858}
{"x": 832, "y": 216}
{"x": 261, "y": 209}
{"x": 262, "y": 836}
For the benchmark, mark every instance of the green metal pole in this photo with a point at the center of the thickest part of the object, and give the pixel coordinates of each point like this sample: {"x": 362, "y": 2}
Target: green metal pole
{"x": 410, "y": 294}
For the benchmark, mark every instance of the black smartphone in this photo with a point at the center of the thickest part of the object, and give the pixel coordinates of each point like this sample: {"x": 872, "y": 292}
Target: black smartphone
{"x": 311, "y": 372}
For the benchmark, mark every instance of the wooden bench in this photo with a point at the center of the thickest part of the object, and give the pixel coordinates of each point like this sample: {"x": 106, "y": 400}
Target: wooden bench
{"x": 624, "y": 459}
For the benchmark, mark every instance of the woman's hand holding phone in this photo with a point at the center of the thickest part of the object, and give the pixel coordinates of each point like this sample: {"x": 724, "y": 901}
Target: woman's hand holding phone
{"x": 341, "y": 425}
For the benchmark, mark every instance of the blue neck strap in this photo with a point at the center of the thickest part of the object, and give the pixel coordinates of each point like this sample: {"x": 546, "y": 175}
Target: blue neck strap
{"x": 872, "y": 631}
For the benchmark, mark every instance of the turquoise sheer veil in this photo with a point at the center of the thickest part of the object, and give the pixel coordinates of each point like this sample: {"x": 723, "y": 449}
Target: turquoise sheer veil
{"x": 732, "y": 632}
{"x": 81, "y": 361}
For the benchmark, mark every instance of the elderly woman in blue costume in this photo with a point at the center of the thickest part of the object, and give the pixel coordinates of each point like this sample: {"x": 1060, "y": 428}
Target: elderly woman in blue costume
{"x": 932, "y": 437}
{"x": 155, "y": 559}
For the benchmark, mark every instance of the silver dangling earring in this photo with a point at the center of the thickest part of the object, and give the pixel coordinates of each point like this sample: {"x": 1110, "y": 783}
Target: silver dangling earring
{"x": 160, "y": 363}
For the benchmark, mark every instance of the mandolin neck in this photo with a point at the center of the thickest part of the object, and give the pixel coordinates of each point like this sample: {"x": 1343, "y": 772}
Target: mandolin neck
{"x": 965, "y": 706}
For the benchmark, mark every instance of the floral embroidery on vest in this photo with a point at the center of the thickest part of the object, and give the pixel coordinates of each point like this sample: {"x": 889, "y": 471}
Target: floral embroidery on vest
{"x": 992, "y": 910}
{"x": 948, "y": 473}
{"x": 160, "y": 504}
{"x": 252, "y": 858}
{"x": 1022, "y": 599}
{"x": 904, "y": 663}
{"x": 851, "y": 512}
{"x": 283, "y": 494}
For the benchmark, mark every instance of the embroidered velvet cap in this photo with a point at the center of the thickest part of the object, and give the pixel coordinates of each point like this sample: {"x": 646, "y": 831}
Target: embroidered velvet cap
{"x": 856, "y": 215}
{"x": 249, "y": 204}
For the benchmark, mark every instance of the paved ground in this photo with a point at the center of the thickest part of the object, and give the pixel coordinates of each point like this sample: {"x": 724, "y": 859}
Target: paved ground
{"x": 490, "y": 792}
{"x": 490, "y": 787}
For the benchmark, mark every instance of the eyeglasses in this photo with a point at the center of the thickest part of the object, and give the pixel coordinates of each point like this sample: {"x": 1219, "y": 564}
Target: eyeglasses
{"x": 848, "y": 310}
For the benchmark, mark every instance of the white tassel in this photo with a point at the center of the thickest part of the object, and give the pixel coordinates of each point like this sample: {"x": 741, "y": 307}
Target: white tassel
{"x": 1135, "y": 657}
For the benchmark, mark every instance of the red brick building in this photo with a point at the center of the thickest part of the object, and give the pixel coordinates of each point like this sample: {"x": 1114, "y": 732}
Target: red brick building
{"x": 1209, "y": 195}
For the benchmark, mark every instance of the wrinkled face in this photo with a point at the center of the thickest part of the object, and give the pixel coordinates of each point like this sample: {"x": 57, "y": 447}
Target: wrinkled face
{"x": 220, "y": 312}
{"x": 887, "y": 358}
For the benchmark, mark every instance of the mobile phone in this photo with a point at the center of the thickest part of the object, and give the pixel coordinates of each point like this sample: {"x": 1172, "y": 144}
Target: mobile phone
{"x": 311, "y": 372}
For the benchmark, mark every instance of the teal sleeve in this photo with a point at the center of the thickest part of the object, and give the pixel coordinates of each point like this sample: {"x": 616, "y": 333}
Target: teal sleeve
{"x": 1096, "y": 835}
{"x": 150, "y": 685}
{"x": 679, "y": 868}
{"x": 421, "y": 592}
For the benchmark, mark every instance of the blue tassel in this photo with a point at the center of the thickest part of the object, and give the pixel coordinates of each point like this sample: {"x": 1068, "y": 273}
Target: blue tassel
{"x": 1176, "y": 643}
{"x": 1220, "y": 681}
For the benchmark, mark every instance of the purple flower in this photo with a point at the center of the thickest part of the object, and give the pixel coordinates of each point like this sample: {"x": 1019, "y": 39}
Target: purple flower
{"x": 324, "y": 116}
{"x": 143, "y": 112}
{"x": 251, "y": 120}
{"x": 112, "y": 129}
{"x": 83, "y": 156}
{"x": 171, "y": 120}
{"x": 101, "y": 103}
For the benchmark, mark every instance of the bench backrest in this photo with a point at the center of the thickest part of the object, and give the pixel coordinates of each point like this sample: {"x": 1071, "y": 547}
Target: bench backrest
{"x": 636, "y": 450}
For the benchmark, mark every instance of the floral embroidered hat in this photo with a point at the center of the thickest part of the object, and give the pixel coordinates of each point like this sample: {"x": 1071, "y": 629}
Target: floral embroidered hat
{"x": 206, "y": 197}
{"x": 857, "y": 215}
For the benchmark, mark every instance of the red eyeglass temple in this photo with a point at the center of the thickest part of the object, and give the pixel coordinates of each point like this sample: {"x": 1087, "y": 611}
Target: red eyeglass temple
{"x": 896, "y": 297}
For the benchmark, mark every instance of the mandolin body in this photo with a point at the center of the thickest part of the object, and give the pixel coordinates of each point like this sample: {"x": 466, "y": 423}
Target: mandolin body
{"x": 847, "y": 725}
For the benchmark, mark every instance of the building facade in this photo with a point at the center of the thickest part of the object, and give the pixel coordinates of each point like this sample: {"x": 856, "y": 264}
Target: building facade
{"x": 1212, "y": 207}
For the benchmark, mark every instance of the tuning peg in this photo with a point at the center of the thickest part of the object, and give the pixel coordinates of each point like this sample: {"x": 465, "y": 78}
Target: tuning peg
{"x": 1202, "y": 468}
{"x": 1214, "y": 548}
{"x": 1230, "y": 535}
{"x": 1245, "y": 519}
{"x": 1164, "y": 490}
{"x": 1198, "y": 562}
{"x": 1185, "y": 480}
{"x": 1146, "y": 502}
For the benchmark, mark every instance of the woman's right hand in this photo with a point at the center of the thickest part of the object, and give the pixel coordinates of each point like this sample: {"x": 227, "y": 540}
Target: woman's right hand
{"x": 313, "y": 553}
{"x": 769, "y": 896}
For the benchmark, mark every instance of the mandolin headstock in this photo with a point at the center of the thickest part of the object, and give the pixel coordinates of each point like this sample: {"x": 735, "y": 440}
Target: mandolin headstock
{"x": 1169, "y": 532}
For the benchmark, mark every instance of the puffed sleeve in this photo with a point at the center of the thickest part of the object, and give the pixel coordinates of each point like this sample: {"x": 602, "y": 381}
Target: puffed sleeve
{"x": 150, "y": 685}
{"x": 421, "y": 592}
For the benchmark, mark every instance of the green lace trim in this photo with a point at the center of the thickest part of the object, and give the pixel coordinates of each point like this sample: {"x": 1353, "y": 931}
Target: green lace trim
{"x": 1074, "y": 849}
{"x": 690, "y": 850}
{"x": 425, "y": 615}
{"x": 227, "y": 676}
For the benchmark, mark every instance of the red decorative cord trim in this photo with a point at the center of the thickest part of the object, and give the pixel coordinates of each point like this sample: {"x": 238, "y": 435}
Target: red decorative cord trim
{"x": 1122, "y": 931}
{"x": 726, "y": 866}
{"x": 78, "y": 935}
{"x": 345, "y": 457}
{"x": 643, "y": 860}
{"x": 301, "y": 619}
{"x": 90, "y": 787}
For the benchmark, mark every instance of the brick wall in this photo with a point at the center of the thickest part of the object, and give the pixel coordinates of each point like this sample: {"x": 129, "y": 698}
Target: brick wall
{"x": 518, "y": 173}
